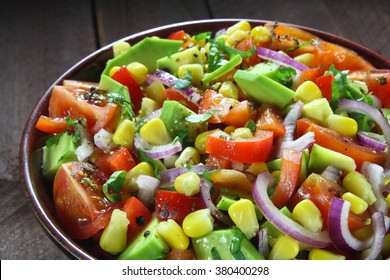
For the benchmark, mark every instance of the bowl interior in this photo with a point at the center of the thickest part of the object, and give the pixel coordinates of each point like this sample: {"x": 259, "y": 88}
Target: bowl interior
{"x": 39, "y": 191}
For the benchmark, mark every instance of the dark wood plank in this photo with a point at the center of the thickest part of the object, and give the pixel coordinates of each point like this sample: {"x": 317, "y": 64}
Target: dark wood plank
{"x": 40, "y": 40}
{"x": 124, "y": 18}
{"x": 365, "y": 22}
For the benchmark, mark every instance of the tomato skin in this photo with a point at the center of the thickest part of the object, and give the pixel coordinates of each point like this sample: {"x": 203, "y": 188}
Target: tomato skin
{"x": 179, "y": 254}
{"x": 325, "y": 85}
{"x": 81, "y": 207}
{"x": 270, "y": 118}
{"x": 252, "y": 150}
{"x": 118, "y": 159}
{"x": 246, "y": 45}
{"x": 51, "y": 125}
{"x": 217, "y": 162}
{"x": 137, "y": 214}
{"x": 176, "y": 206}
{"x": 174, "y": 94}
{"x": 180, "y": 35}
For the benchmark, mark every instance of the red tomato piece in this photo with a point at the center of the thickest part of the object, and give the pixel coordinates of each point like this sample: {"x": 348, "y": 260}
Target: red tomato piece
{"x": 289, "y": 176}
{"x": 116, "y": 160}
{"x": 79, "y": 200}
{"x": 324, "y": 83}
{"x": 176, "y": 206}
{"x": 246, "y": 45}
{"x": 174, "y": 94}
{"x": 218, "y": 162}
{"x": 270, "y": 118}
{"x": 137, "y": 214}
{"x": 51, "y": 125}
{"x": 181, "y": 36}
{"x": 255, "y": 149}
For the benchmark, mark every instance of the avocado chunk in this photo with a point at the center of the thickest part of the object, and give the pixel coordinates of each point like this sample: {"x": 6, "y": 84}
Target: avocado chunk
{"x": 320, "y": 158}
{"x": 147, "y": 51}
{"x": 225, "y": 244}
{"x": 147, "y": 245}
{"x": 267, "y": 68}
{"x": 110, "y": 85}
{"x": 224, "y": 69}
{"x": 58, "y": 150}
{"x": 263, "y": 89}
{"x": 173, "y": 115}
{"x": 172, "y": 62}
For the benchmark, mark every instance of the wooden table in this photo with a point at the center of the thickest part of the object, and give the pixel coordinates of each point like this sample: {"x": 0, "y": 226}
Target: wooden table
{"x": 40, "y": 39}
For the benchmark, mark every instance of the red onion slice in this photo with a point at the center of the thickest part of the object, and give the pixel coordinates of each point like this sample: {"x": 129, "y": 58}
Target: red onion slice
{"x": 156, "y": 151}
{"x": 85, "y": 150}
{"x": 147, "y": 188}
{"x": 283, "y": 223}
{"x": 279, "y": 58}
{"x": 365, "y": 139}
{"x": 332, "y": 173}
{"x": 103, "y": 140}
{"x": 379, "y": 232}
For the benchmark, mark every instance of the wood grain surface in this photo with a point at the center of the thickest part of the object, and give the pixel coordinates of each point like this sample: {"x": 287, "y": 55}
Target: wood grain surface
{"x": 39, "y": 40}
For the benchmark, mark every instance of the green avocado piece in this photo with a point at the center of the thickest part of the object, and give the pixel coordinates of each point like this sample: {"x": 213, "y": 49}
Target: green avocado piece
{"x": 172, "y": 62}
{"x": 320, "y": 158}
{"x": 58, "y": 150}
{"x": 110, "y": 85}
{"x": 173, "y": 115}
{"x": 263, "y": 89}
{"x": 225, "y": 244}
{"x": 267, "y": 68}
{"x": 227, "y": 67}
{"x": 147, "y": 245}
{"x": 147, "y": 51}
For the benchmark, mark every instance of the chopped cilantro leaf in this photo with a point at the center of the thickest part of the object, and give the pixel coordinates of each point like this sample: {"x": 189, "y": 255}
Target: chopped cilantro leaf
{"x": 127, "y": 107}
{"x": 114, "y": 183}
{"x": 285, "y": 75}
{"x": 183, "y": 82}
{"x": 198, "y": 118}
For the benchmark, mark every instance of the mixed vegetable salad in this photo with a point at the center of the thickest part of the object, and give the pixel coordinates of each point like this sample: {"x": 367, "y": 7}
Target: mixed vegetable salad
{"x": 257, "y": 142}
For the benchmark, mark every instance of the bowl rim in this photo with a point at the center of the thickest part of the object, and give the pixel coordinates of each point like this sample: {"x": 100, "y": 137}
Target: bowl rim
{"x": 58, "y": 235}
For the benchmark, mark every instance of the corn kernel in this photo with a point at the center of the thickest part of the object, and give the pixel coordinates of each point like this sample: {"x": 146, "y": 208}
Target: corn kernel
{"x": 318, "y": 109}
{"x": 196, "y": 72}
{"x": 386, "y": 246}
{"x": 307, "y": 92}
{"x": 148, "y": 106}
{"x": 189, "y": 155}
{"x": 120, "y": 47}
{"x": 173, "y": 234}
{"x": 308, "y": 214}
{"x": 306, "y": 59}
{"x": 156, "y": 91}
{"x": 243, "y": 214}
{"x": 138, "y": 71}
{"x": 200, "y": 141}
{"x": 256, "y": 168}
{"x": 155, "y": 132}
{"x": 358, "y": 205}
{"x": 388, "y": 200}
{"x": 342, "y": 124}
{"x": 228, "y": 89}
{"x": 357, "y": 184}
{"x": 321, "y": 254}
{"x": 285, "y": 248}
{"x": 142, "y": 168}
{"x": 363, "y": 233}
{"x": 114, "y": 236}
{"x": 187, "y": 183}
{"x": 260, "y": 34}
{"x": 113, "y": 70}
{"x": 169, "y": 161}
{"x": 124, "y": 134}
{"x": 229, "y": 129}
{"x": 236, "y": 37}
{"x": 198, "y": 223}
{"x": 242, "y": 132}
{"x": 242, "y": 25}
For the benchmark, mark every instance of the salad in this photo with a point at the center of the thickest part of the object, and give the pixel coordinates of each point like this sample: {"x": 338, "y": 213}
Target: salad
{"x": 257, "y": 142}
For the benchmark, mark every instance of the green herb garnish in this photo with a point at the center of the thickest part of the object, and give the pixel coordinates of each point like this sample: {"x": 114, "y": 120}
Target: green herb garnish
{"x": 198, "y": 118}
{"x": 115, "y": 184}
{"x": 127, "y": 106}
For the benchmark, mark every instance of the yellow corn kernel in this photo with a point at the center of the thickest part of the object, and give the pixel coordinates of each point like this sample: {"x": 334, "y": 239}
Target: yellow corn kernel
{"x": 307, "y": 92}
{"x": 321, "y": 254}
{"x": 187, "y": 183}
{"x": 386, "y": 247}
{"x": 363, "y": 233}
{"x": 189, "y": 155}
{"x": 285, "y": 248}
{"x": 148, "y": 106}
{"x": 113, "y": 70}
{"x": 196, "y": 70}
{"x": 120, "y": 47}
{"x": 228, "y": 89}
{"x": 173, "y": 234}
{"x": 142, "y": 168}
{"x": 155, "y": 132}
{"x": 306, "y": 59}
{"x": 156, "y": 91}
{"x": 242, "y": 25}
{"x": 342, "y": 124}
{"x": 114, "y": 236}
{"x": 256, "y": 168}
{"x": 308, "y": 214}
{"x": 260, "y": 34}
{"x": 388, "y": 200}
{"x": 138, "y": 71}
{"x": 198, "y": 223}
{"x": 358, "y": 205}
{"x": 124, "y": 134}
{"x": 242, "y": 132}
{"x": 318, "y": 109}
{"x": 229, "y": 129}
{"x": 357, "y": 184}
{"x": 243, "y": 214}
{"x": 236, "y": 37}
{"x": 200, "y": 141}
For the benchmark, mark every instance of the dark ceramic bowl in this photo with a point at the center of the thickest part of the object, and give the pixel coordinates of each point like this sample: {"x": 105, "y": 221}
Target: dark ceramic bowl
{"x": 39, "y": 192}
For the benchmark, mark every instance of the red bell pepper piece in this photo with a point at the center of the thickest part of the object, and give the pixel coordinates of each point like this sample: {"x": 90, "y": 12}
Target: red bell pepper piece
{"x": 116, "y": 160}
{"x": 137, "y": 214}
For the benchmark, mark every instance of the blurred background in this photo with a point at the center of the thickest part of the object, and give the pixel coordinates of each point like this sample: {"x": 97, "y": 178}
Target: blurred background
{"x": 41, "y": 39}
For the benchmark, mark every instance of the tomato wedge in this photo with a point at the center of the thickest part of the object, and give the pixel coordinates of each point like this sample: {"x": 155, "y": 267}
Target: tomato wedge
{"x": 288, "y": 179}
{"x": 116, "y": 160}
{"x": 325, "y": 85}
{"x": 79, "y": 200}
{"x": 255, "y": 149}
{"x": 51, "y": 125}
{"x": 270, "y": 118}
{"x": 137, "y": 214}
{"x": 174, "y": 94}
